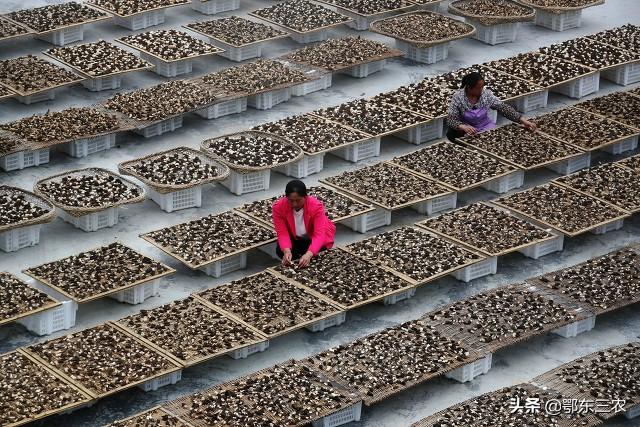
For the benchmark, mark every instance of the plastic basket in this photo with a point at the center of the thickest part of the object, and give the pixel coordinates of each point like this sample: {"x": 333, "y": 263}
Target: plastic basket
{"x": 164, "y": 380}
{"x": 168, "y": 69}
{"x": 572, "y": 164}
{"x": 423, "y": 133}
{"x": 239, "y": 54}
{"x": 495, "y": 34}
{"x": 477, "y": 270}
{"x": 580, "y": 87}
{"x": 303, "y": 168}
{"x": 321, "y": 325}
{"x": 400, "y": 296}
{"x": 226, "y": 108}
{"x": 103, "y": 83}
{"x": 212, "y": 7}
{"x": 242, "y": 183}
{"x": 49, "y": 321}
{"x": 270, "y": 249}
{"x": 623, "y": 75}
{"x": 559, "y": 21}
{"x": 310, "y": 37}
{"x": 544, "y": 248}
{"x": 267, "y": 100}
{"x": 472, "y": 370}
{"x": 632, "y": 412}
{"x": 24, "y": 159}
{"x": 438, "y": 204}
{"x": 64, "y": 36}
{"x": 93, "y": 221}
{"x": 531, "y": 102}
{"x": 576, "y": 328}
{"x": 157, "y": 129}
{"x": 18, "y": 238}
{"x": 360, "y": 151}
{"x": 363, "y": 70}
{"x": 428, "y": 55}
{"x": 369, "y": 221}
{"x": 505, "y": 183}
{"x": 141, "y": 20}
{"x": 244, "y": 352}
{"x": 138, "y": 294}
{"x": 84, "y": 147}
{"x": 176, "y": 200}
{"x": 47, "y": 95}
{"x": 625, "y": 145}
{"x": 322, "y": 83}
{"x": 343, "y": 416}
{"x": 226, "y": 266}
{"x": 612, "y": 226}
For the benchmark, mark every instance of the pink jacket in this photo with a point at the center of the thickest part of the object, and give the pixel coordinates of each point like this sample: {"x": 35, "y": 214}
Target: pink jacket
{"x": 319, "y": 227}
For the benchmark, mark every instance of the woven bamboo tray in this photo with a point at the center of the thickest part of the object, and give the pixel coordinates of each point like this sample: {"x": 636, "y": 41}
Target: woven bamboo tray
{"x": 489, "y": 20}
{"x": 51, "y": 303}
{"x": 112, "y": 12}
{"x": 190, "y": 28}
{"x": 392, "y": 53}
{"x": 79, "y": 71}
{"x": 32, "y": 198}
{"x": 27, "y": 31}
{"x": 558, "y": 10}
{"x": 155, "y": 412}
{"x": 76, "y": 24}
{"x": 216, "y": 51}
{"x": 294, "y": 31}
{"x": 408, "y": 4}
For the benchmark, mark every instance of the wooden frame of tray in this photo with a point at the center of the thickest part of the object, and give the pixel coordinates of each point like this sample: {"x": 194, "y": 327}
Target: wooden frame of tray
{"x": 577, "y": 106}
{"x": 52, "y": 303}
{"x": 156, "y": 409}
{"x": 489, "y": 20}
{"x": 137, "y": 13}
{"x": 293, "y": 31}
{"x": 63, "y": 27}
{"x": 57, "y": 86}
{"x": 29, "y": 31}
{"x": 10, "y": 93}
{"x": 45, "y": 218}
{"x": 87, "y": 76}
{"x": 556, "y": 9}
{"x": 170, "y": 61}
{"x": 408, "y": 5}
{"x": 392, "y": 53}
{"x": 604, "y": 68}
{"x": 234, "y": 45}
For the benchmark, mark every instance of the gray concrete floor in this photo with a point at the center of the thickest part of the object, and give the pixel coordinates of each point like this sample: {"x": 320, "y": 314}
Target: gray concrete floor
{"x": 59, "y": 239}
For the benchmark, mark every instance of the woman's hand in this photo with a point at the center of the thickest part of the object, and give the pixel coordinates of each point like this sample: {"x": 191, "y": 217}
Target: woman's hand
{"x": 286, "y": 258}
{"x": 529, "y": 125}
{"x": 305, "y": 259}
{"x": 468, "y": 129}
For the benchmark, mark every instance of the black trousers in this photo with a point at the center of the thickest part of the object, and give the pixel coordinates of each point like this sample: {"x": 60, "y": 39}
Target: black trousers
{"x": 453, "y": 134}
{"x": 299, "y": 247}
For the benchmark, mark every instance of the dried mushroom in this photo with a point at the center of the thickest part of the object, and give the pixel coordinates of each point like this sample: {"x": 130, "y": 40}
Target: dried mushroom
{"x": 422, "y": 28}
{"x": 300, "y": 15}
{"x": 624, "y": 37}
{"x": 132, "y": 7}
{"x": 251, "y": 150}
{"x": 156, "y": 417}
{"x": 10, "y": 29}
{"x": 169, "y": 45}
{"x": 236, "y": 31}
{"x": 54, "y": 16}
{"x": 426, "y": 97}
{"x": 30, "y": 74}
{"x": 17, "y": 298}
{"x": 620, "y": 106}
{"x": 15, "y": 207}
{"x": 590, "y": 53}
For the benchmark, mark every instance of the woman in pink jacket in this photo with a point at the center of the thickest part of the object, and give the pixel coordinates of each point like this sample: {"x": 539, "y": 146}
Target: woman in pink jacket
{"x": 301, "y": 224}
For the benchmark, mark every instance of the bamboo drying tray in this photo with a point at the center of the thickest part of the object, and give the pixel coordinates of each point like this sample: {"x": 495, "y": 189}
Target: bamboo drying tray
{"x": 31, "y": 198}
{"x": 20, "y": 29}
{"x": 62, "y": 27}
{"x": 292, "y": 30}
{"x": 172, "y": 3}
{"x": 5, "y": 93}
{"x": 406, "y": 5}
{"x": 557, "y": 9}
{"x": 192, "y": 27}
{"x": 46, "y": 305}
{"x": 76, "y": 78}
{"x": 153, "y": 413}
{"x": 528, "y": 13}
{"x": 215, "y": 50}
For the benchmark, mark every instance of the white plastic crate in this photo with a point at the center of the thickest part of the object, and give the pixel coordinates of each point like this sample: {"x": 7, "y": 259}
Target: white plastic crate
{"x": 423, "y": 133}
{"x": 322, "y": 83}
{"x": 225, "y": 108}
{"x": 49, "y": 321}
{"x": 559, "y": 21}
{"x": 239, "y": 54}
{"x": 242, "y": 183}
{"x": 139, "y": 293}
{"x": 477, "y": 270}
{"x": 363, "y": 70}
{"x": 544, "y": 248}
{"x": 344, "y": 416}
{"x": 157, "y": 129}
{"x": 176, "y": 200}
{"x": 267, "y": 100}
{"x": 270, "y": 250}
{"x": 580, "y": 87}
{"x": 623, "y": 75}
{"x": 472, "y": 370}
{"x": 632, "y": 412}
{"x": 531, "y": 102}
{"x": 572, "y": 164}
{"x": 24, "y": 159}
{"x": 103, "y": 83}
{"x": 141, "y": 20}
{"x": 628, "y": 144}
{"x": 303, "y": 168}
{"x": 400, "y": 296}
{"x": 93, "y": 221}
{"x": 64, "y": 36}
{"x": 168, "y": 69}
{"x": 244, "y": 352}
{"x": 428, "y": 55}
{"x": 495, "y": 34}
{"x": 505, "y": 183}
{"x": 612, "y": 226}
{"x": 212, "y": 7}
{"x": 164, "y": 380}
{"x": 18, "y": 238}
{"x": 360, "y": 151}
{"x": 226, "y": 266}
{"x": 576, "y": 328}
{"x": 310, "y": 37}
{"x": 47, "y": 95}
{"x": 438, "y": 204}
{"x": 321, "y": 325}
{"x": 84, "y": 147}
{"x": 369, "y": 221}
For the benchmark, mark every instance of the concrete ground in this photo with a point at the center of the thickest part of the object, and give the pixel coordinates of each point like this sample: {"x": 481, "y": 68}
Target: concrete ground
{"x": 518, "y": 364}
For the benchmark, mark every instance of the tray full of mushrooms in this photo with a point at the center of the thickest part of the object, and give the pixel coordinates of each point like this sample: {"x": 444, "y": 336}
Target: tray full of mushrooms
{"x": 56, "y": 16}
{"x": 175, "y": 169}
{"x": 386, "y": 185}
{"x": 525, "y": 149}
{"x": 236, "y": 31}
{"x": 561, "y": 208}
{"x": 343, "y": 53}
{"x": 99, "y": 272}
{"x": 487, "y": 229}
{"x": 84, "y": 191}
{"x": 27, "y": 75}
{"x": 370, "y": 7}
{"x": 600, "y": 284}
{"x": 422, "y": 29}
{"x": 632, "y": 163}
{"x": 103, "y": 360}
{"x": 154, "y": 417}
{"x": 372, "y": 116}
{"x": 300, "y": 16}
{"x": 29, "y": 391}
{"x": 99, "y": 59}
{"x": 393, "y": 360}
{"x": 270, "y": 304}
{"x": 169, "y": 45}
{"x": 10, "y": 143}
{"x": 345, "y": 279}
{"x": 252, "y": 151}
{"x": 190, "y": 330}
{"x": 453, "y": 165}
{"x": 590, "y": 53}
{"x": 125, "y": 8}
{"x": 625, "y": 37}
{"x": 10, "y": 29}
{"x": 21, "y": 208}
{"x": 338, "y": 206}
{"x": 619, "y": 106}
{"x": 425, "y": 97}
{"x": 414, "y": 255}
{"x": 560, "y": 6}
{"x": 18, "y": 299}
{"x": 205, "y": 240}
{"x": 5, "y": 92}
{"x": 492, "y": 12}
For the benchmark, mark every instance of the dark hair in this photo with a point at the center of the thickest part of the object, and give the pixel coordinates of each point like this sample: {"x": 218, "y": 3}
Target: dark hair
{"x": 471, "y": 79}
{"x": 296, "y": 186}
